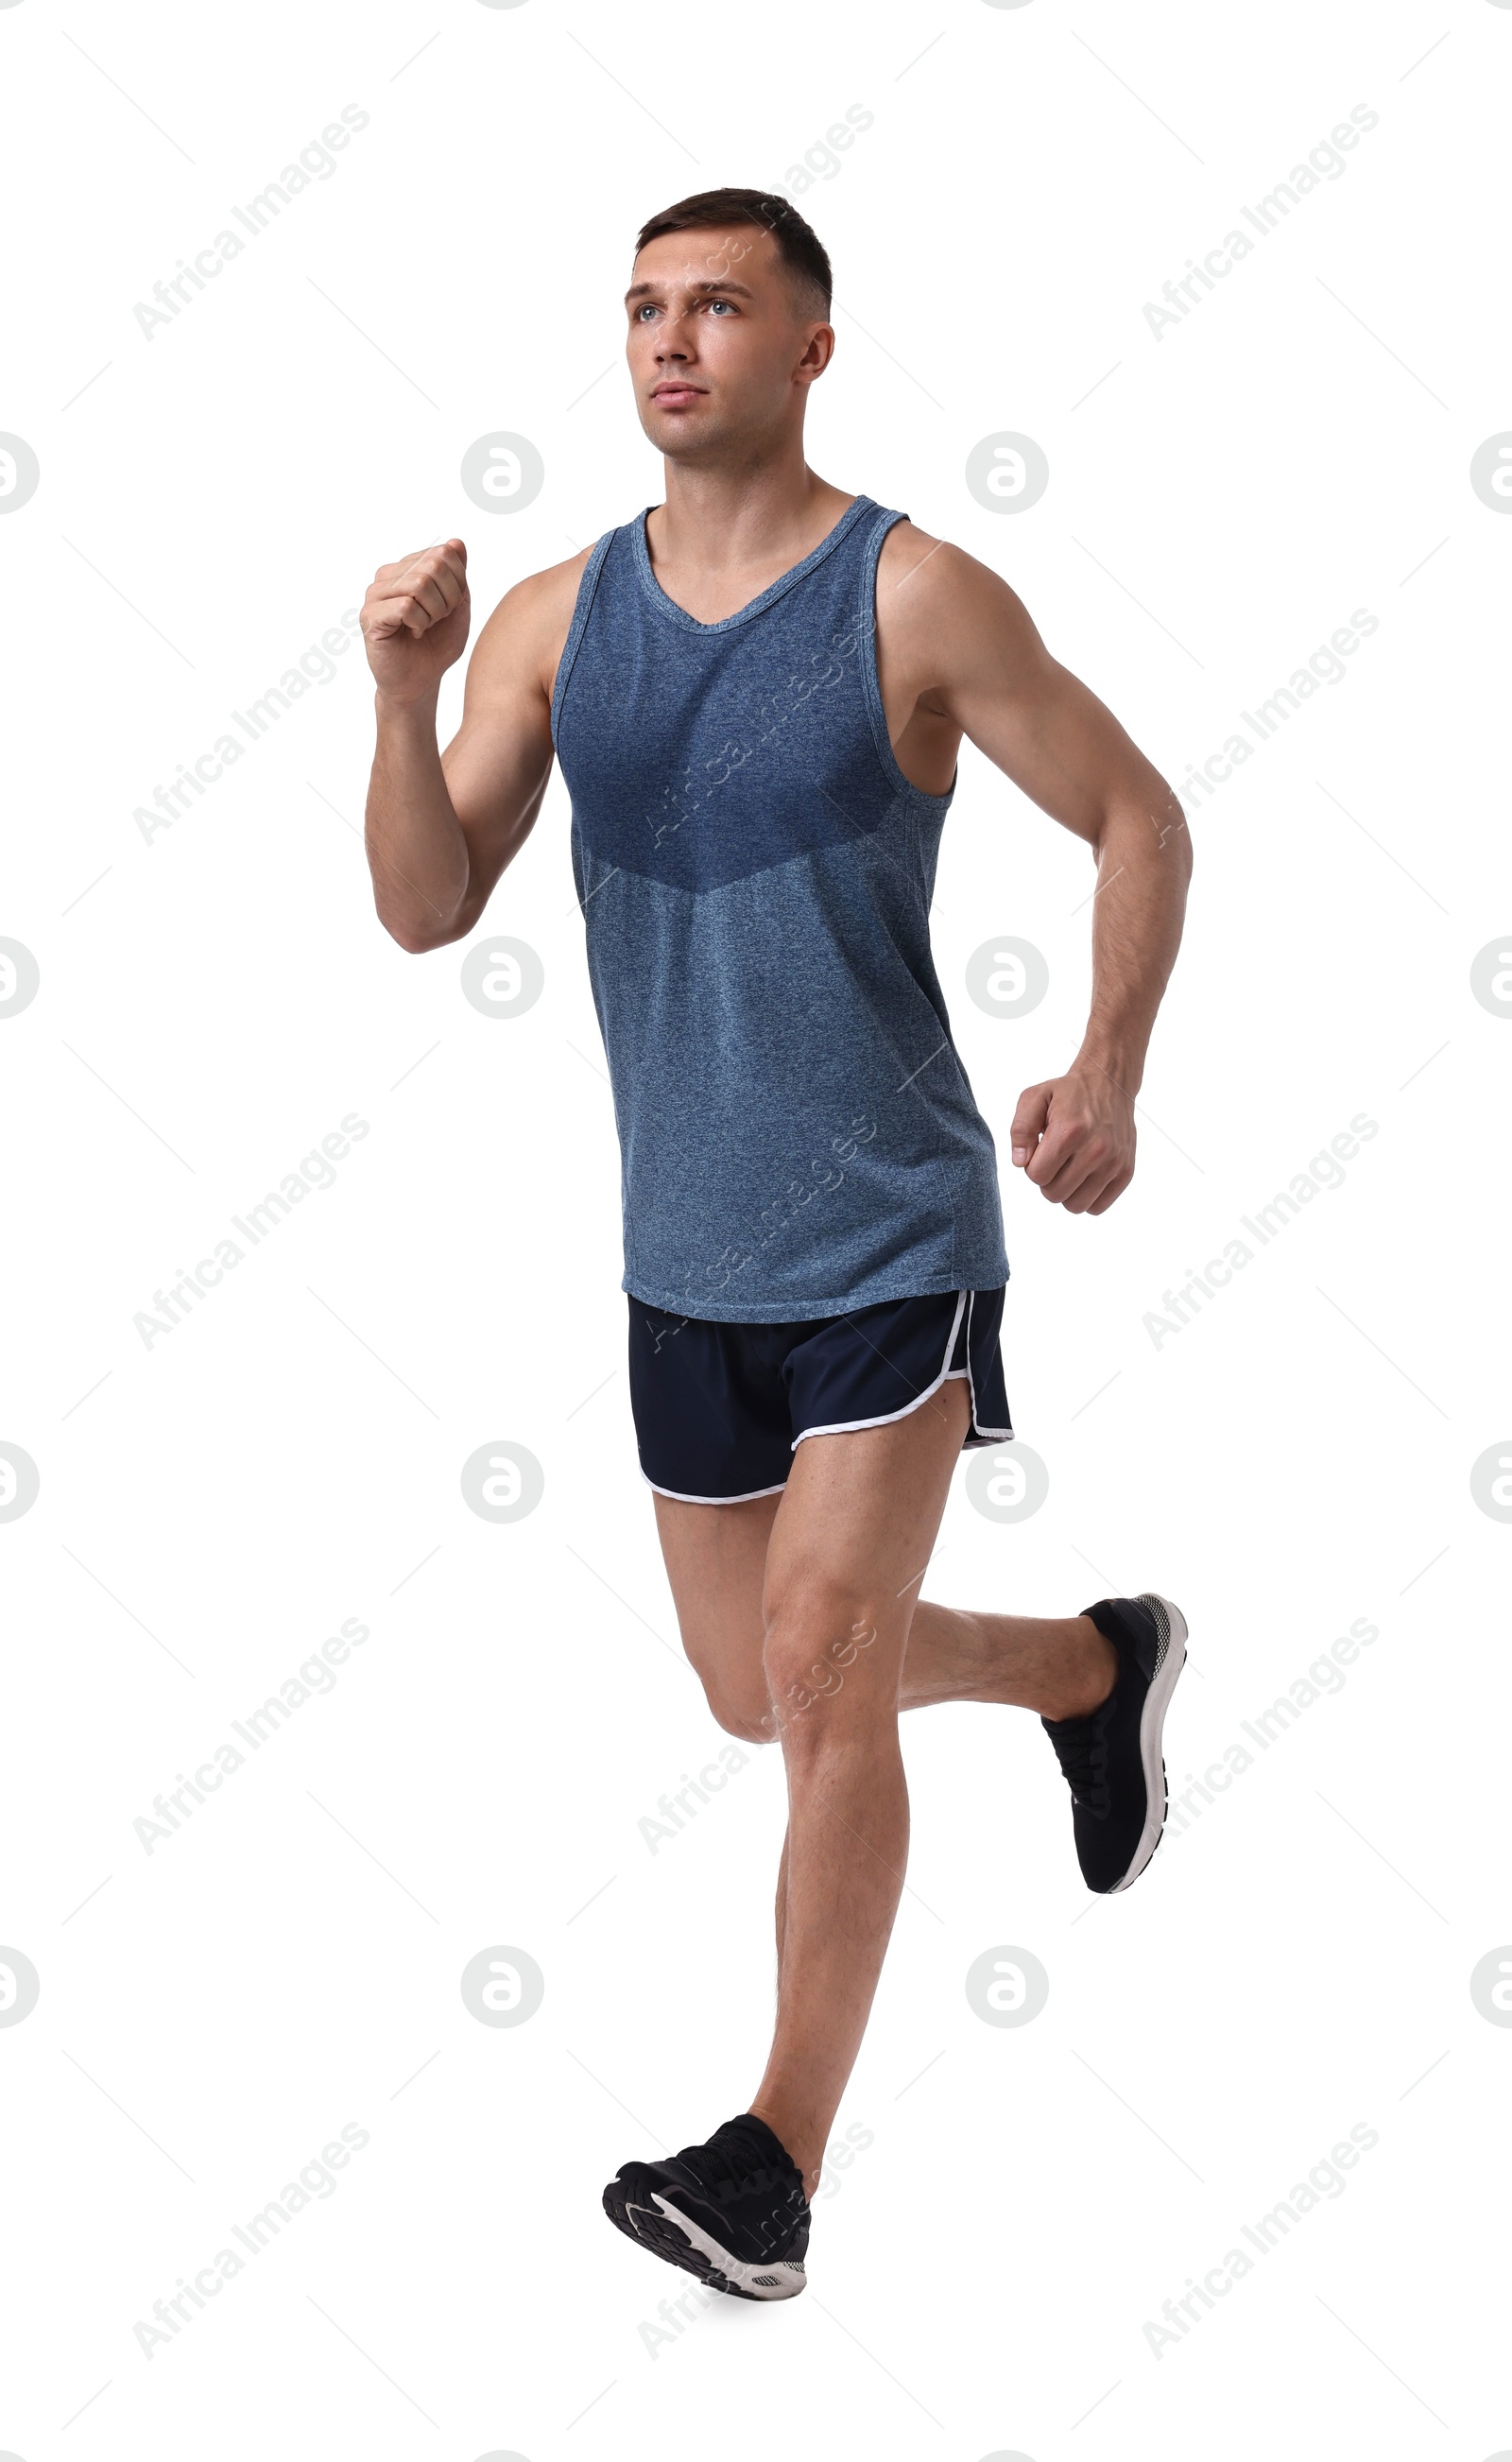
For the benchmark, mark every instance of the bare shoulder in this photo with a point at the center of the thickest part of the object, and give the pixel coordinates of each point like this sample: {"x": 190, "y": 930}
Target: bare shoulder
{"x": 916, "y": 570}
{"x": 937, "y": 606}
{"x": 527, "y": 630}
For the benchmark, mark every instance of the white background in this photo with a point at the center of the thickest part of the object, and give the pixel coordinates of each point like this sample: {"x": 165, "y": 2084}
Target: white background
{"x": 214, "y": 1000}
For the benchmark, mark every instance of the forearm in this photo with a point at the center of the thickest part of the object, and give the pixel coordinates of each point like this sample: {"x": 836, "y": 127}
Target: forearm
{"x": 1144, "y": 862}
{"x": 416, "y": 848}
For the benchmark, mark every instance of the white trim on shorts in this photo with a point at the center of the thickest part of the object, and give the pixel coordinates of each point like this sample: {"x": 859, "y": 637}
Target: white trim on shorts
{"x": 993, "y": 1436}
{"x": 843, "y": 1427}
{"x": 679, "y": 1497}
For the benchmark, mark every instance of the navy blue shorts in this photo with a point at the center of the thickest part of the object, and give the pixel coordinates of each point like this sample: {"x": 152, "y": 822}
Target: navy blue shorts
{"x": 720, "y": 1410}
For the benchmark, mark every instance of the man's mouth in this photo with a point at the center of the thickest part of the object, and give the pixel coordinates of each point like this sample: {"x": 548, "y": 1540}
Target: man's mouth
{"x": 672, "y": 395}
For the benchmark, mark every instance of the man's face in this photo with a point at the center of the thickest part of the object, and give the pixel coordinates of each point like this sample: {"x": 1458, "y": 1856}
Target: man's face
{"x": 720, "y": 348}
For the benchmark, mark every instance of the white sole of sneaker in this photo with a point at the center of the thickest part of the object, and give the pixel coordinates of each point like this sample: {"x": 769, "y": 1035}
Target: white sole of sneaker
{"x": 772, "y": 2282}
{"x": 1151, "y": 1729}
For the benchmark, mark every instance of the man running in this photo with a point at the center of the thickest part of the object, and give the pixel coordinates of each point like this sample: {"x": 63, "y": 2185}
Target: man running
{"x": 757, "y": 690}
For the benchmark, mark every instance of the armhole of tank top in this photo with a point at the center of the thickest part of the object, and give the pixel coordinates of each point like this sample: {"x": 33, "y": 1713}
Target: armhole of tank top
{"x": 581, "y": 609}
{"x": 880, "y": 737}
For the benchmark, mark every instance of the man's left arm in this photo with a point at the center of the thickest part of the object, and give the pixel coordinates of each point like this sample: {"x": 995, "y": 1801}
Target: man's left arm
{"x": 983, "y": 669}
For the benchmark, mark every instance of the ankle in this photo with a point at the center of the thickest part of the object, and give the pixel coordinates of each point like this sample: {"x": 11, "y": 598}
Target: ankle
{"x": 1087, "y": 1676}
{"x": 794, "y": 2141}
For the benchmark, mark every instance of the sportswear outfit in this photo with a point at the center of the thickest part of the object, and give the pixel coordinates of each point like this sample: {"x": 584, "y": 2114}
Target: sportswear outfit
{"x": 812, "y": 1228}
{"x": 811, "y": 1221}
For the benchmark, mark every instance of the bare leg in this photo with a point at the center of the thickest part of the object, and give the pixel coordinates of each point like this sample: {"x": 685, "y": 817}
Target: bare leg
{"x": 782, "y": 1906}
{"x": 719, "y": 1558}
{"x": 859, "y": 1513}
{"x": 1060, "y": 1665}
{"x": 716, "y": 1560}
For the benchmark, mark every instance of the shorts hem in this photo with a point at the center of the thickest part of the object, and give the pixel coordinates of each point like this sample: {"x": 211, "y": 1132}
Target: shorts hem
{"x": 680, "y": 1496}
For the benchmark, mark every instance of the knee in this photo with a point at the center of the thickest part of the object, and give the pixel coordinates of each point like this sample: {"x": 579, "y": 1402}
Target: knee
{"x": 740, "y": 1713}
{"x": 820, "y": 1659}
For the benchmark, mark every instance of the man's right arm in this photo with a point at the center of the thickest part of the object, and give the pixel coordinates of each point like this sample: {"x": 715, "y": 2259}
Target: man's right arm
{"x": 442, "y": 827}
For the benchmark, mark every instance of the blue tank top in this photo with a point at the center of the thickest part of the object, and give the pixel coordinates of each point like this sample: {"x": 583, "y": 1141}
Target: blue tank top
{"x": 797, "y": 1134}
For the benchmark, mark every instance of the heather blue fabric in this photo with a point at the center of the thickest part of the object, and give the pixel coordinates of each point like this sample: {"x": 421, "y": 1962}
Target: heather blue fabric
{"x": 797, "y": 1134}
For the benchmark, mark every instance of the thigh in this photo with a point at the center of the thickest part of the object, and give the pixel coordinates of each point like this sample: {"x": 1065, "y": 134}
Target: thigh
{"x": 716, "y": 1561}
{"x": 852, "y": 1535}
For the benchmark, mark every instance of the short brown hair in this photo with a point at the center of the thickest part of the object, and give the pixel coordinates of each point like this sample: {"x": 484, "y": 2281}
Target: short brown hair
{"x": 800, "y": 251}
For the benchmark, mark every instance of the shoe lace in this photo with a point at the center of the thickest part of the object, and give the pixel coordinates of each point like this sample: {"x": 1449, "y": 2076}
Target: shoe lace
{"x": 1082, "y": 1757}
{"x": 734, "y": 2160}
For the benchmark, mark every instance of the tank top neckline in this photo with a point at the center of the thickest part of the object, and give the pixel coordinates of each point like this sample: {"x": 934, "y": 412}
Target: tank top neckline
{"x": 668, "y": 607}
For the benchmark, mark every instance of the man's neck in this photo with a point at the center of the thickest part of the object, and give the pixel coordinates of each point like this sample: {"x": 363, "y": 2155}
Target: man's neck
{"x": 763, "y": 512}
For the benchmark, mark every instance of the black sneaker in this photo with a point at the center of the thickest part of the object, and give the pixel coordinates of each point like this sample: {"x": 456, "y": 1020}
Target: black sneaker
{"x": 732, "y": 2211}
{"x": 1112, "y": 1759}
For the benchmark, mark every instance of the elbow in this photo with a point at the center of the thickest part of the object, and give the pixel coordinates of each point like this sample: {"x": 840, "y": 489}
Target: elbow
{"x": 1174, "y": 835}
{"x": 1181, "y": 845}
{"x": 414, "y": 938}
{"x": 415, "y": 919}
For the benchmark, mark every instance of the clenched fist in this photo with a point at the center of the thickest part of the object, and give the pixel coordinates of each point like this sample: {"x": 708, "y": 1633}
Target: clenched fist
{"x": 1073, "y": 1136}
{"x": 415, "y": 621}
